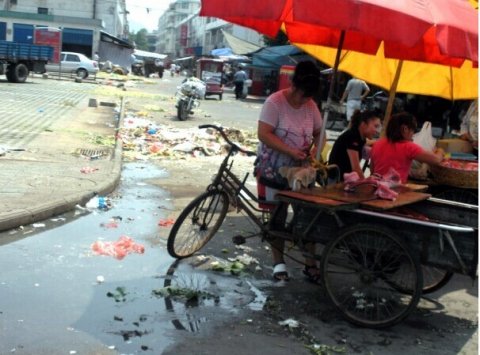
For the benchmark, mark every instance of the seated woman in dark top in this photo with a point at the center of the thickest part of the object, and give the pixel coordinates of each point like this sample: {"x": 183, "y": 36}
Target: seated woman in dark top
{"x": 347, "y": 149}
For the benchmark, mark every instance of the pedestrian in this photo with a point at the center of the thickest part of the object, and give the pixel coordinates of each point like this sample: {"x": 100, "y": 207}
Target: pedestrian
{"x": 348, "y": 147}
{"x": 397, "y": 150}
{"x": 239, "y": 79}
{"x": 289, "y": 124}
{"x": 96, "y": 57}
{"x": 354, "y": 93}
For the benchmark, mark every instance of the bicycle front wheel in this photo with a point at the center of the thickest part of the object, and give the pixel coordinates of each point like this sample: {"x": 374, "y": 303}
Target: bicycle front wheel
{"x": 197, "y": 224}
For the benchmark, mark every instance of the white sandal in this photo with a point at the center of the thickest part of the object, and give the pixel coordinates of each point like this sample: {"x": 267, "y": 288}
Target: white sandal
{"x": 280, "y": 272}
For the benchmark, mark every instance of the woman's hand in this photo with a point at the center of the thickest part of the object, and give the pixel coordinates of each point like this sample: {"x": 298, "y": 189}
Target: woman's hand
{"x": 297, "y": 154}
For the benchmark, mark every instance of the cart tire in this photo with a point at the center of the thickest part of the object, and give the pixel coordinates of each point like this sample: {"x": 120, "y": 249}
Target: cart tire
{"x": 197, "y": 223}
{"x": 358, "y": 269}
{"x": 434, "y": 278}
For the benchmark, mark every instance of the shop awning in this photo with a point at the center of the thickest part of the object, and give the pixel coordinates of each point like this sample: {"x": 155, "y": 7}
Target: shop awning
{"x": 145, "y": 54}
{"x": 238, "y": 45}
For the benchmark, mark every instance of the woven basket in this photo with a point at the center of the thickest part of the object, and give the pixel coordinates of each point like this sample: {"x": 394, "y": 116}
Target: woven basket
{"x": 467, "y": 179}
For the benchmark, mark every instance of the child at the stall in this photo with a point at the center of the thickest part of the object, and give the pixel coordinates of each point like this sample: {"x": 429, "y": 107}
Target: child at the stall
{"x": 397, "y": 150}
{"x": 347, "y": 150}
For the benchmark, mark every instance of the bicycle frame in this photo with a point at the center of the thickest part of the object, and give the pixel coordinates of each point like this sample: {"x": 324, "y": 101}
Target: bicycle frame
{"x": 240, "y": 197}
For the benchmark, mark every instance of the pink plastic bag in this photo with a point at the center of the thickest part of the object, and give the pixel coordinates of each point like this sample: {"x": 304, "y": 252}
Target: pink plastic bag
{"x": 118, "y": 249}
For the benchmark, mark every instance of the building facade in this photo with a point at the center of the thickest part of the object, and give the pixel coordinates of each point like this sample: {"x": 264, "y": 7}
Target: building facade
{"x": 81, "y": 22}
{"x": 182, "y": 32}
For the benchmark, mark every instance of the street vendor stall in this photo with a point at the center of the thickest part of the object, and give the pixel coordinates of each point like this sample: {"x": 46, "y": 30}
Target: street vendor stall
{"x": 381, "y": 255}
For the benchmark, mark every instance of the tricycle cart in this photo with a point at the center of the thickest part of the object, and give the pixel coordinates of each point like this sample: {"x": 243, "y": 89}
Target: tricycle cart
{"x": 379, "y": 256}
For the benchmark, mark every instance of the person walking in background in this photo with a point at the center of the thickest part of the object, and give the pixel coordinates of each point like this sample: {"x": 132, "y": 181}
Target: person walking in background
{"x": 354, "y": 93}
{"x": 239, "y": 79}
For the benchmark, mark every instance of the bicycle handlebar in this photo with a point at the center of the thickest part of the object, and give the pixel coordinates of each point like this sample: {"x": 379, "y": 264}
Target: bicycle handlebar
{"x": 234, "y": 145}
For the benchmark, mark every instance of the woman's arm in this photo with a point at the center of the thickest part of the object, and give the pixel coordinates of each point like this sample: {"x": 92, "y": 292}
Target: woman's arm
{"x": 432, "y": 158}
{"x": 355, "y": 162}
{"x": 267, "y": 136}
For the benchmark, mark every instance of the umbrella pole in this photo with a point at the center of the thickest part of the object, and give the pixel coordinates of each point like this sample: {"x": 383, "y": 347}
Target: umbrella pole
{"x": 322, "y": 138}
{"x": 391, "y": 97}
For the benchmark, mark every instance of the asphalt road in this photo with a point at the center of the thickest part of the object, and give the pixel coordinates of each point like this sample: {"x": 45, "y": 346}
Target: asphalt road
{"x": 53, "y": 302}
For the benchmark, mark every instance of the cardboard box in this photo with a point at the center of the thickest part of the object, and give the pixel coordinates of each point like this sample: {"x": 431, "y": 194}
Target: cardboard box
{"x": 454, "y": 145}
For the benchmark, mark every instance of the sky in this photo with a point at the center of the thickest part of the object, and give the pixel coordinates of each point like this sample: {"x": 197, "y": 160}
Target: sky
{"x": 145, "y": 13}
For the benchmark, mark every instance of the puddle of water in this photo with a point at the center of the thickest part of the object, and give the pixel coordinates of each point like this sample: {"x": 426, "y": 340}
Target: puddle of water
{"x": 51, "y": 298}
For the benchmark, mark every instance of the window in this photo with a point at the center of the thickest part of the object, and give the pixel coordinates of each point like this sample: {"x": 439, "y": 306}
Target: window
{"x": 42, "y": 10}
{"x": 13, "y": 2}
{"x": 72, "y": 58}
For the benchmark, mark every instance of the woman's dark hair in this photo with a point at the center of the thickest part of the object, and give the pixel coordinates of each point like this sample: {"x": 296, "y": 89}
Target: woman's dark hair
{"x": 394, "y": 127}
{"x": 307, "y": 78}
{"x": 362, "y": 116}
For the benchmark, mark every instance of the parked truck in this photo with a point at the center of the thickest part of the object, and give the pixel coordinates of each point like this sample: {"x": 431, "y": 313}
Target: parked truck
{"x": 17, "y": 60}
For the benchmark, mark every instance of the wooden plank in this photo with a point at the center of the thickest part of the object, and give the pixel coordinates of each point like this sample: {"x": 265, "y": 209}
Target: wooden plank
{"x": 337, "y": 192}
{"x": 307, "y": 196}
{"x": 404, "y": 198}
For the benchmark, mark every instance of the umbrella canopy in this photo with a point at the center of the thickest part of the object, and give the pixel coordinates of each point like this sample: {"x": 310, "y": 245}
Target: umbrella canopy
{"x": 432, "y": 31}
{"x": 438, "y": 31}
{"x": 448, "y": 82}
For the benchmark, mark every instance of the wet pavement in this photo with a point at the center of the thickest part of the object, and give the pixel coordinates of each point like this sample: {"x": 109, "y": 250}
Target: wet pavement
{"x": 58, "y": 297}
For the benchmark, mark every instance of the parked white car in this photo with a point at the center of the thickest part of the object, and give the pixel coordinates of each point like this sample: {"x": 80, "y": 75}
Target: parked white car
{"x": 76, "y": 63}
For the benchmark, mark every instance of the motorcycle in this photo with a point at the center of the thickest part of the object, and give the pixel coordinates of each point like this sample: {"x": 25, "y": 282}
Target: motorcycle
{"x": 188, "y": 97}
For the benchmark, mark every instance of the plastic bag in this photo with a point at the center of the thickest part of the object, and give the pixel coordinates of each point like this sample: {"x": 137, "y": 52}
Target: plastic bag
{"x": 425, "y": 139}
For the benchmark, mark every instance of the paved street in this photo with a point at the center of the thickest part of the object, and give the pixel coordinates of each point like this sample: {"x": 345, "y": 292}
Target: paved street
{"x": 50, "y": 269}
{"x": 29, "y": 109}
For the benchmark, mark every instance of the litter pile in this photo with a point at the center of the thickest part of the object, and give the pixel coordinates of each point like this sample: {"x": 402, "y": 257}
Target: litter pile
{"x": 143, "y": 139}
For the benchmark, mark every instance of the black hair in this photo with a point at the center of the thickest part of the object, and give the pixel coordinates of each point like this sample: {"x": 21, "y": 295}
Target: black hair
{"x": 394, "y": 126}
{"x": 362, "y": 116}
{"x": 307, "y": 78}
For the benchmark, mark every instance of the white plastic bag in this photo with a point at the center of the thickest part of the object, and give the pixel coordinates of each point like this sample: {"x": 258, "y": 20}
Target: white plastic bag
{"x": 425, "y": 139}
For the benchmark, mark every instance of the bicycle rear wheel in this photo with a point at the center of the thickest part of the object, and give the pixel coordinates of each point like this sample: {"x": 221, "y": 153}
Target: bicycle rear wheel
{"x": 197, "y": 224}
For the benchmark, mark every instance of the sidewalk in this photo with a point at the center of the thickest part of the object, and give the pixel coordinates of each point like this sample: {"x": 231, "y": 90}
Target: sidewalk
{"x": 47, "y": 179}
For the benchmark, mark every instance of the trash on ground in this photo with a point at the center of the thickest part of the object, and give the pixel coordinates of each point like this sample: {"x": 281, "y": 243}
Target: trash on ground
{"x": 166, "y": 222}
{"x": 290, "y": 322}
{"x": 99, "y": 202}
{"x": 88, "y": 170}
{"x": 38, "y": 225}
{"x": 118, "y": 249}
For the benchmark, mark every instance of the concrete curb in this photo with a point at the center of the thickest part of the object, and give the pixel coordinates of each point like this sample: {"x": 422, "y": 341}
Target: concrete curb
{"x": 41, "y": 211}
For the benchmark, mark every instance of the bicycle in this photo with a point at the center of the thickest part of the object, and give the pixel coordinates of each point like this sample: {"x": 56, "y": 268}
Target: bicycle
{"x": 202, "y": 217}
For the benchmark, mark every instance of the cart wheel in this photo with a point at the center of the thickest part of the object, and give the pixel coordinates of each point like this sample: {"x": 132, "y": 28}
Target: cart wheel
{"x": 197, "y": 223}
{"x": 359, "y": 269}
{"x": 434, "y": 278}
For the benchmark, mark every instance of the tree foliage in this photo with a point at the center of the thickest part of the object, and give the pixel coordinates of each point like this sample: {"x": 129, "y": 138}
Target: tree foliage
{"x": 140, "y": 39}
{"x": 280, "y": 39}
